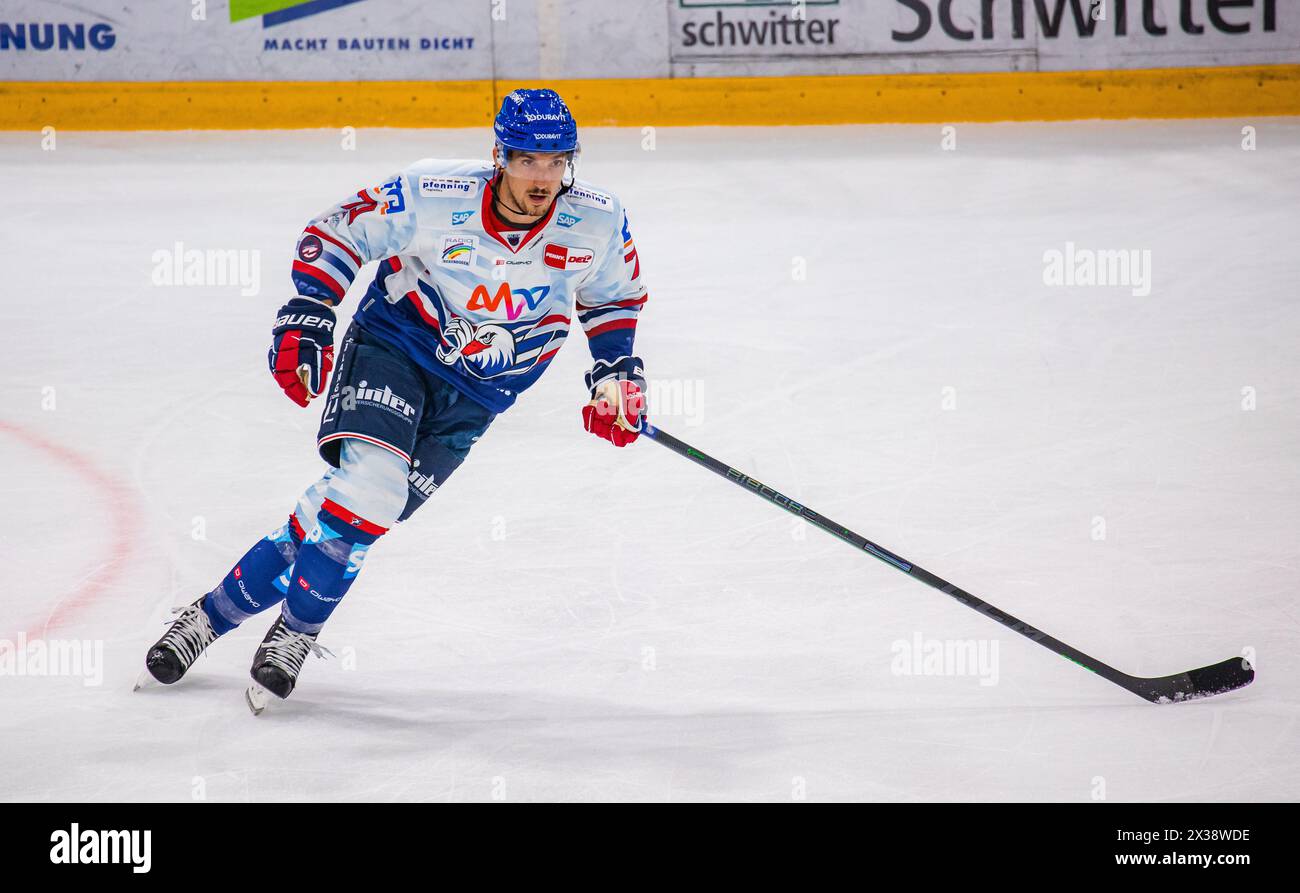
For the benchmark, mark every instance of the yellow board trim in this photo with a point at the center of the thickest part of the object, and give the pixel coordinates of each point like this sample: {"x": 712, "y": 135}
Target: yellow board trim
{"x": 851, "y": 99}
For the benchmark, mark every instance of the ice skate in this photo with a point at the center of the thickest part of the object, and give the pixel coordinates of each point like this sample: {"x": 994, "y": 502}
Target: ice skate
{"x": 277, "y": 664}
{"x": 172, "y": 655}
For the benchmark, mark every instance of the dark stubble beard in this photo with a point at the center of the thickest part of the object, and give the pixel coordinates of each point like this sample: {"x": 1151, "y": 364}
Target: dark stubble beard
{"x": 514, "y": 214}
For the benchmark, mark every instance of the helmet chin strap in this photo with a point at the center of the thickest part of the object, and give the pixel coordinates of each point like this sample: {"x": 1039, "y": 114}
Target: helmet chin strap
{"x": 496, "y": 197}
{"x": 565, "y": 186}
{"x": 496, "y": 192}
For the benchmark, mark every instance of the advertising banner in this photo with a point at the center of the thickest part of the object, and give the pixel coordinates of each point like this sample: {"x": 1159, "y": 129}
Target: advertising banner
{"x": 770, "y": 37}
{"x": 245, "y": 40}
{"x": 467, "y": 40}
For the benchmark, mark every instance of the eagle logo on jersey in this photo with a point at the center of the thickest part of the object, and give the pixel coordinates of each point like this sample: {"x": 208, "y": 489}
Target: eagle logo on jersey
{"x": 485, "y": 350}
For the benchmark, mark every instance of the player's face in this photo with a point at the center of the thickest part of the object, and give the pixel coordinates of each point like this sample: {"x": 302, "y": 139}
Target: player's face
{"x": 533, "y": 179}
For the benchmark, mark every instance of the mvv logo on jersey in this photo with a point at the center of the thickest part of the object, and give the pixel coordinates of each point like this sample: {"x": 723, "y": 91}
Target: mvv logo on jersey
{"x": 562, "y": 257}
{"x": 512, "y": 300}
{"x": 458, "y": 251}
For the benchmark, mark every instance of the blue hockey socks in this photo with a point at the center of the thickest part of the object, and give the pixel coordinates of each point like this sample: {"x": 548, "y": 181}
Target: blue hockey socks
{"x": 328, "y": 561}
{"x": 256, "y": 582}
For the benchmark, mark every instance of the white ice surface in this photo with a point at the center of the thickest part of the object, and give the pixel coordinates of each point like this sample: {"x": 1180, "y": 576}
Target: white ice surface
{"x": 629, "y": 626}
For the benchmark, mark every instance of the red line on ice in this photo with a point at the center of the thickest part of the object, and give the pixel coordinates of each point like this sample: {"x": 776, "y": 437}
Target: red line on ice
{"x": 121, "y": 546}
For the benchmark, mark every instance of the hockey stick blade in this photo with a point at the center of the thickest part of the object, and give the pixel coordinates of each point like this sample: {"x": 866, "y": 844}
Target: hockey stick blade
{"x": 1227, "y": 675}
{"x": 1215, "y": 679}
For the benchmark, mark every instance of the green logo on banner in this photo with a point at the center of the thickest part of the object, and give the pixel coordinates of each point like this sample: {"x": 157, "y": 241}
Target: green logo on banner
{"x": 708, "y": 4}
{"x": 247, "y": 9}
{"x": 277, "y": 12}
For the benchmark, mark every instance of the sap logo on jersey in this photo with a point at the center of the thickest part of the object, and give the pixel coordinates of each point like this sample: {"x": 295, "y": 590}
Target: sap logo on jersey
{"x": 562, "y": 257}
{"x": 458, "y": 251}
{"x": 459, "y": 217}
{"x": 566, "y": 220}
{"x": 461, "y": 186}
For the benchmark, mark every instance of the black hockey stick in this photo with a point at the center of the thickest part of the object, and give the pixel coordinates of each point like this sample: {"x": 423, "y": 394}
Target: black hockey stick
{"x": 1212, "y": 680}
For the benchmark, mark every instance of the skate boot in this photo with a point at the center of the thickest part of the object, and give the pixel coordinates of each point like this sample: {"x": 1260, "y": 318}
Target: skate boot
{"x": 190, "y": 633}
{"x": 277, "y": 664}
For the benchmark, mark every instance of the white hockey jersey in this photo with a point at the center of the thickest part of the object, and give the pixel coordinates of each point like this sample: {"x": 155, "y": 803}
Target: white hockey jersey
{"x": 481, "y": 305}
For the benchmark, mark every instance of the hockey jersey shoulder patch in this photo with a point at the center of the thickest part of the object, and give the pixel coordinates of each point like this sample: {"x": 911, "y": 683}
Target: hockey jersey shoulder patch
{"x": 454, "y": 178}
{"x": 449, "y": 187}
{"x": 592, "y": 198}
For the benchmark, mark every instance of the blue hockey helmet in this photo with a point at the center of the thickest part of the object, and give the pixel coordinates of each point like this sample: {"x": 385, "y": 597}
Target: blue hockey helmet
{"x": 535, "y": 121}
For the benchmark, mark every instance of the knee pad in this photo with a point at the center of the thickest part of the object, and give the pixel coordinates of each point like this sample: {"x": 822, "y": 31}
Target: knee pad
{"x": 309, "y": 503}
{"x": 432, "y": 464}
{"x": 370, "y": 482}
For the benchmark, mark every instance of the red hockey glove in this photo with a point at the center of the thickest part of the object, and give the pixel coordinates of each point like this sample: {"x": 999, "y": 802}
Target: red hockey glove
{"x": 617, "y": 408}
{"x": 302, "y": 352}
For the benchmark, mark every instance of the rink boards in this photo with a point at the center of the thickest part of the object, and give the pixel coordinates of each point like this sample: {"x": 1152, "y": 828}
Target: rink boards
{"x": 846, "y": 99}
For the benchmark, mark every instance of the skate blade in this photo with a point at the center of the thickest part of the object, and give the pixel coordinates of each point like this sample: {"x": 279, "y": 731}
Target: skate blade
{"x": 145, "y": 680}
{"x": 257, "y": 698}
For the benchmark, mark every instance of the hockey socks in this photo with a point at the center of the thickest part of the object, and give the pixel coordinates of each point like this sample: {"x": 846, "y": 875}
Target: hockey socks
{"x": 328, "y": 561}
{"x": 257, "y": 581}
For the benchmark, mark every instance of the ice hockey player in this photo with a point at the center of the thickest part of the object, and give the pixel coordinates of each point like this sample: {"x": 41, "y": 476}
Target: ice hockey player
{"x": 480, "y": 266}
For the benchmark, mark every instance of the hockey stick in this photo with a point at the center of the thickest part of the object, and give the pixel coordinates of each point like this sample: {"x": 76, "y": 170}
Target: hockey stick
{"x": 1227, "y": 675}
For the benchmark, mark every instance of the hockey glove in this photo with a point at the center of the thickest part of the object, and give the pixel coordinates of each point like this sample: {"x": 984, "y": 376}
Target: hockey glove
{"x": 302, "y": 352}
{"x": 617, "y": 408}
